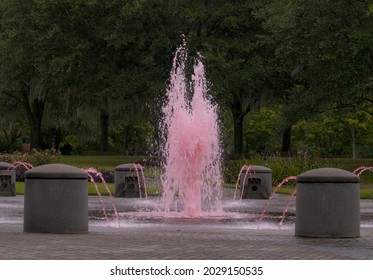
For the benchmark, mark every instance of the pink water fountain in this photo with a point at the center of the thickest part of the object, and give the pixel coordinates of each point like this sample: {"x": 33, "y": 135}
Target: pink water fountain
{"x": 191, "y": 156}
{"x": 192, "y": 153}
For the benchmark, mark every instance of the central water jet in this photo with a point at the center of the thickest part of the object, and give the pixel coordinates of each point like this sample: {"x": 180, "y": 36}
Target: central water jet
{"x": 191, "y": 150}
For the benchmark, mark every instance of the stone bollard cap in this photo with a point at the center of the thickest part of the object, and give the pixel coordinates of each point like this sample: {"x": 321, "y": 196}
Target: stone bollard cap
{"x": 328, "y": 175}
{"x": 56, "y": 171}
{"x": 127, "y": 167}
{"x": 259, "y": 169}
{"x": 5, "y": 165}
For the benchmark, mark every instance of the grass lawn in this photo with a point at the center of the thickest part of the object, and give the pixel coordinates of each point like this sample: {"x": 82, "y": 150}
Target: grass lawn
{"x": 351, "y": 164}
{"x": 110, "y": 162}
{"x": 99, "y": 162}
{"x": 156, "y": 190}
{"x": 364, "y": 193}
{"x": 151, "y": 190}
{"x": 20, "y": 188}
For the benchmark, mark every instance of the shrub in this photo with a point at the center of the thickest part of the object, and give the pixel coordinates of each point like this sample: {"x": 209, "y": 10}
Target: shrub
{"x": 35, "y": 157}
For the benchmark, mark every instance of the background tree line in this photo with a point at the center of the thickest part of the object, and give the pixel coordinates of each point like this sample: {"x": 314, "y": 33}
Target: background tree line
{"x": 289, "y": 76}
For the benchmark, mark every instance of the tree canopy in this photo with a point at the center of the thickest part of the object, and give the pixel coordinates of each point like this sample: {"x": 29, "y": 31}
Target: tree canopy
{"x": 91, "y": 74}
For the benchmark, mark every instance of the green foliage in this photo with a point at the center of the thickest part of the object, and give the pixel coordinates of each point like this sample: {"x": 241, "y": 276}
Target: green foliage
{"x": 324, "y": 47}
{"x": 42, "y": 157}
{"x": 335, "y": 134}
{"x": 66, "y": 65}
{"x": 132, "y": 138}
{"x": 35, "y": 157}
{"x": 6, "y": 146}
{"x": 71, "y": 145}
{"x": 261, "y": 133}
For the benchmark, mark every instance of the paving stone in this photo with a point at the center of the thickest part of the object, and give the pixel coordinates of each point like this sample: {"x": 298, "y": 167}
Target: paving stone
{"x": 175, "y": 241}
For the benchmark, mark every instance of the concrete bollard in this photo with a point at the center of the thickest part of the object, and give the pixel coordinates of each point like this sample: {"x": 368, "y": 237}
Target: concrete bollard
{"x": 56, "y": 199}
{"x": 7, "y": 180}
{"x": 258, "y": 184}
{"x": 327, "y": 204}
{"x": 126, "y": 181}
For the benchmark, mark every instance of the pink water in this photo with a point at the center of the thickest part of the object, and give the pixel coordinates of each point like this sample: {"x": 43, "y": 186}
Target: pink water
{"x": 137, "y": 167}
{"x": 23, "y": 164}
{"x": 287, "y": 179}
{"x": 92, "y": 173}
{"x": 192, "y": 154}
{"x": 249, "y": 170}
{"x": 360, "y": 170}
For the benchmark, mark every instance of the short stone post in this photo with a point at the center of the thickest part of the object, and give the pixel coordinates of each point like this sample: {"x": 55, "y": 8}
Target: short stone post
{"x": 7, "y": 180}
{"x": 56, "y": 199}
{"x": 327, "y": 204}
{"x": 126, "y": 181}
{"x": 258, "y": 182}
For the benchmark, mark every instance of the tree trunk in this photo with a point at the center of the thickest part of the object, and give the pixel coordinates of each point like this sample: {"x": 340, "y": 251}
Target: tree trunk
{"x": 8, "y": 141}
{"x": 238, "y": 118}
{"x": 35, "y": 133}
{"x": 58, "y": 138}
{"x": 35, "y": 111}
{"x": 286, "y": 141}
{"x": 353, "y": 143}
{"x": 104, "y": 124}
{"x": 238, "y": 137}
{"x": 11, "y": 137}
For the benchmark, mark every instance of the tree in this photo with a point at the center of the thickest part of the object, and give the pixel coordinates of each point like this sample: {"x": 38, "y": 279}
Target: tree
{"x": 337, "y": 133}
{"x": 11, "y": 122}
{"x": 325, "y": 47}
{"x": 226, "y": 34}
{"x": 36, "y": 61}
{"x": 125, "y": 60}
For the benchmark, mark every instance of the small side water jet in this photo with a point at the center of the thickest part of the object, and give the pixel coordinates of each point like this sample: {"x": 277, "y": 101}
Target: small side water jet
{"x": 137, "y": 167}
{"x": 287, "y": 207}
{"x": 249, "y": 170}
{"x": 130, "y": 181}
{"x": 92, "y": 174}
{"x": 23, "y": 164}
{"x": 8, "y": 176}
{"x": 360, "y": 170}
{"x": 287, "y": 179}
{"x": 192, "y": 154}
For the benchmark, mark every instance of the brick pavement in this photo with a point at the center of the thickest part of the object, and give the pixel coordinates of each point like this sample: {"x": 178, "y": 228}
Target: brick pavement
{"x": 174, "y": 241}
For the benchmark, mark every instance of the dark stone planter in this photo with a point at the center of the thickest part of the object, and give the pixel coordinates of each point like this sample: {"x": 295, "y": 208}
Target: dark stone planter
{"x": 56, "y": 199}
{"x": 126, "y": 182}
{"x": 7, "y": 180}
{"x": 328, "y": 204}
{"x": 258, "y": 185}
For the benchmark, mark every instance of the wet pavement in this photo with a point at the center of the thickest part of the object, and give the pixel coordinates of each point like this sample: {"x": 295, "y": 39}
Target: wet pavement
{"x": 147, "y": 235}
